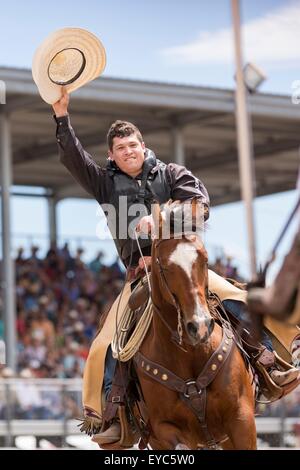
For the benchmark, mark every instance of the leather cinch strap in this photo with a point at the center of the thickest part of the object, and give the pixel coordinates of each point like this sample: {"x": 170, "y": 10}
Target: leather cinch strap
{"x": 192, "y": 392}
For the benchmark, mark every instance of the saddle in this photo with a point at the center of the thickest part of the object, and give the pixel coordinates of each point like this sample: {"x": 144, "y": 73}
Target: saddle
{"x": 140, "y": 295}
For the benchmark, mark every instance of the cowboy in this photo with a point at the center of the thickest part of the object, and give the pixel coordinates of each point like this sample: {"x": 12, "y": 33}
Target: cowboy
{"x": 280, "y": 302}
{"x": 133, "y": 171}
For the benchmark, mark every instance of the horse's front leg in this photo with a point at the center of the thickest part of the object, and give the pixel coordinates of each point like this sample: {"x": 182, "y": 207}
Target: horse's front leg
{"x": 156, "y": 445}
{"x": 241, "y": 430}
{"x": 167, "y": 437}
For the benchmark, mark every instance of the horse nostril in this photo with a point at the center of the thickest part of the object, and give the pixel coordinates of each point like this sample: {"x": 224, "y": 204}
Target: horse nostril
{"x": 192, "y": 329}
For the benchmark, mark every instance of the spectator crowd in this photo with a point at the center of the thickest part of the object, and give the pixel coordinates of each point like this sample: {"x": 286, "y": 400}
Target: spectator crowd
{"x": 59, "y": 300}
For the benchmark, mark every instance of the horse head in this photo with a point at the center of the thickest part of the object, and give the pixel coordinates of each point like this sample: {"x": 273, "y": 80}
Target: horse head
{"x": 179, "y": 266}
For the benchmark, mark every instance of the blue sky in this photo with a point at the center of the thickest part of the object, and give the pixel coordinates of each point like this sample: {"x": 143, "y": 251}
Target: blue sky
{"x": 169, "y": 41}
{"x": 164, "y": 40}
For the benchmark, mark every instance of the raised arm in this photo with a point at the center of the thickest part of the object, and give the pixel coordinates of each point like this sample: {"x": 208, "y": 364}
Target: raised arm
{"x": 72, "y": 155}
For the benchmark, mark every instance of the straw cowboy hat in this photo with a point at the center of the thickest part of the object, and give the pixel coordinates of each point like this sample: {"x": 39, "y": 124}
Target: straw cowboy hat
{"x": 70, "y": 57}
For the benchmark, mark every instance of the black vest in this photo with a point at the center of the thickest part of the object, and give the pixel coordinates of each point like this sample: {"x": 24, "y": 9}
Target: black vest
{"x": 152, "y": 185}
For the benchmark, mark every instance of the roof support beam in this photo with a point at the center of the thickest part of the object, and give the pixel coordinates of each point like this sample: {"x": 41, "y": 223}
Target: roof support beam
{"x": 8, "y": 285}
{"x": 229, "y": 155}
{"x": 178, "y": 145}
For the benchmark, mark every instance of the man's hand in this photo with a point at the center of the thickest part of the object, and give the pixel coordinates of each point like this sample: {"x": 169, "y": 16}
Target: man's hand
{"x": 141, "y": 266}
{"x": 61, "y": 106}
{"x": 145, "y": 225}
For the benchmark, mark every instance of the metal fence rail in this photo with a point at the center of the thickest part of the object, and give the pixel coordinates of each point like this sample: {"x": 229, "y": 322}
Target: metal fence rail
{"x": 57, "y": 402}
{"x": 37, "y": 427}
{"x": 42, "y": 407}
{"x": 52, "y": 427}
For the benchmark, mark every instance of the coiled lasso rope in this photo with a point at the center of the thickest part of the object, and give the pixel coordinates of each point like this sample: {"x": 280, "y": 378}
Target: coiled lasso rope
{"x": 125, "y": 351}
{"x": 121, "y": 351}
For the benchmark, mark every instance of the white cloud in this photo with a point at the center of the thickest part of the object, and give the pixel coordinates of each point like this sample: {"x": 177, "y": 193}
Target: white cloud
{"x": 271, "y": 39}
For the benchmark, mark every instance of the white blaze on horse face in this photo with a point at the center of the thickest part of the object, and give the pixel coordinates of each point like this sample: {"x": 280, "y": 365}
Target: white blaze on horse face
{"x": 184, "y": 256}
{"x": 199, "y": 317}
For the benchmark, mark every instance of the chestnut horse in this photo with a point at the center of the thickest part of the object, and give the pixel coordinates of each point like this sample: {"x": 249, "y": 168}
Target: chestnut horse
{"x": 196, "y": 386}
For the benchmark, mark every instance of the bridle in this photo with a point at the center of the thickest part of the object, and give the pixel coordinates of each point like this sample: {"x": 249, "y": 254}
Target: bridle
{"x": 176, "y": 336}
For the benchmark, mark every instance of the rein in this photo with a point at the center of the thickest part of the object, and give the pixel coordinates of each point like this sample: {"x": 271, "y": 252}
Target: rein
{"x": 176, "y": 335}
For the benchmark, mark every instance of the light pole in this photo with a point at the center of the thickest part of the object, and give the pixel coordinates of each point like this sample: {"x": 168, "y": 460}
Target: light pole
{"x": 245, "y": 150}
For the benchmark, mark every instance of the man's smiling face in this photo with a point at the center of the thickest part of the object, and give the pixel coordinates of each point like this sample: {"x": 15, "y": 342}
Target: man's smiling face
{"x": 128, "y": 153}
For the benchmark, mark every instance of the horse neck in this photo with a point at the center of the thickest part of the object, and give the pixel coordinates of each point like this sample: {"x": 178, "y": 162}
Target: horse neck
{"x": 166, "y": 310}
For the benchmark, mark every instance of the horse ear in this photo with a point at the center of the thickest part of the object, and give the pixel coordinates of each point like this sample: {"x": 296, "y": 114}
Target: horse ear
{"x": 198, "y": 213}
{"x": 157, "y": 219}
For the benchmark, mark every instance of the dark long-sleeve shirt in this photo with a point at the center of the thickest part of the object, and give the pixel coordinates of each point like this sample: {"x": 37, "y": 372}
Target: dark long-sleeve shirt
{"x": 95, "y": 180}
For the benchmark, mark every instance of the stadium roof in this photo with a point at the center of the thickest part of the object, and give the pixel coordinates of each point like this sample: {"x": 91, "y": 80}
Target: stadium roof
{"x": 206, "y": 116}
